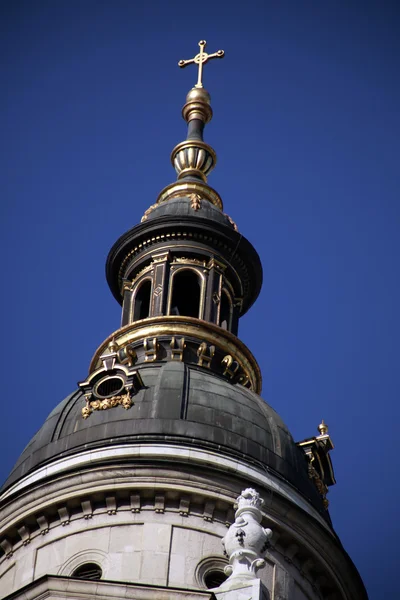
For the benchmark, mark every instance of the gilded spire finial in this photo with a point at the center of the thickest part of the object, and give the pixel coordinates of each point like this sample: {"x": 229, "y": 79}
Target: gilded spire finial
{"x": 323, "y": 428}
{"x": 194, "y": 159}
{"x": 200, "y": 59}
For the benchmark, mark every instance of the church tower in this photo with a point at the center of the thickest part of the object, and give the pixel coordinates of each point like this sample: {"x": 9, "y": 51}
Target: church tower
{"x": 165, "y": 475}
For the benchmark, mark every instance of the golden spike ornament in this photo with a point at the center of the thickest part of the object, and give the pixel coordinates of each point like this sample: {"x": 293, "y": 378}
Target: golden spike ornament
{"x": 200, "y": 59}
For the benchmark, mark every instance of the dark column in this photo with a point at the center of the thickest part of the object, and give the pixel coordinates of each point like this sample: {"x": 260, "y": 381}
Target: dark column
{"x": 160, "y": 284}
{"x": 237, "y": 306}
{"x": 213, "y": 292}
{"x": 126, "y": 304}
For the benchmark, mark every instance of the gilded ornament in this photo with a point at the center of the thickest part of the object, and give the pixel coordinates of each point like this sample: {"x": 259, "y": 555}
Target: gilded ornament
{"x": 205, "y": 354}
{"x": 177, "y": 347}
{"x": 193, "y": 261}
{"x": 319, "y": 484}
{"x": 123, "y": 400}
{"x": 200, "y": 59}
{"x": 216, "y": 298}
{"x": 151, "y": 348}
{"x": 142, "y": 272}
{"x": 158, "y": 290}
{"x": 147, "y": 212}
{"x": 244, "y": 380}
{"x": 231, "y": 221}
{"x": 180, "y": 189}
{"x": 195, "y": 201}
{"x": 86, "y": 412}
{"x": 231, "y": 366}
{"x": 323, "y": 428}
{"x": 126, "y": 285}
{"x": 188, "y": 327}
{"x": 127, "y": 356}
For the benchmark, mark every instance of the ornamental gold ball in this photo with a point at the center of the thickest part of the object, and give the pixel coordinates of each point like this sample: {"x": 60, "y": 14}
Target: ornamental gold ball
{"x": 198, "y": 95}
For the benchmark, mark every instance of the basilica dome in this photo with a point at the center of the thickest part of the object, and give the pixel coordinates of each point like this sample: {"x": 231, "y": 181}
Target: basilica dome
{"x": 178, "y": 404}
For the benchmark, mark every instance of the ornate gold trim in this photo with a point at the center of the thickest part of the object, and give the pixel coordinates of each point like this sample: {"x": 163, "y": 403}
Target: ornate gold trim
{"x": 319, "y": 484}
{"x": 180, "y": 189}
{"x": 187, "y": 327}
{"x": 166, "y": 239}
{"x": 184, "y": 260}
{"x": 205, "y": 355}
{"x": 194, "y": 160}
{"x": 147, "y": 212}
{"x": 151, "y": 348}
{"x": 140, "y": 273}
{"x": 195, "y": 201}
{"x": 231, "y": 221}
{"x": 177, "y": 347}
{"x": 124, "y": 400}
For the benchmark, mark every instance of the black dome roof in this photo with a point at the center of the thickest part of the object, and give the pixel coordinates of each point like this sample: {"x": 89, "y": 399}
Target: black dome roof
{"x": 182, "y": 207}
{"x": 217, "y": 415}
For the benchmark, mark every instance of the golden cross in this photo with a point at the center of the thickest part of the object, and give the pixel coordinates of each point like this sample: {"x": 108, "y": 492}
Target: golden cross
{"x": 200, "y": 59}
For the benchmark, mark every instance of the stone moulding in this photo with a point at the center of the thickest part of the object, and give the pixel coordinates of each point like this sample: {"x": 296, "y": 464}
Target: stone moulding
{"x": 52, "y": 586}
{"x": 163, "y": 500}
{"x": 173, "y": 454}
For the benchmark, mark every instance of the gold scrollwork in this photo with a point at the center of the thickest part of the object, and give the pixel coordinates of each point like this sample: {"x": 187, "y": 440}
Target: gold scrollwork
{"x": 126, "y": 286}
{"x": 216, "y": 298}
{"x": 142, "y": 272}
{"x": 231, "y": 366}
{"x": 178, "y": 189}
{"x": 151, "y": 347}
{"x": 205, "y": 353}
{"x": 147, "y": 212}
{"x": 244, "y": 380}
{"x": 127, "y": 356}
{"x": 194, "y": 261}
{"x": 123, "y": 400}
{"x": 195, "y": 201}
{"x": 232, "y": 222}
{"x": 177, "y": 347}
{"x": 187, "y": 327}
{"x": 319, "y": 484}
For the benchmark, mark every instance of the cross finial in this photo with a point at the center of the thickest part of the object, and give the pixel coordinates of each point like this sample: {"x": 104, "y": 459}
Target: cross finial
{"x": 200, "y": 59}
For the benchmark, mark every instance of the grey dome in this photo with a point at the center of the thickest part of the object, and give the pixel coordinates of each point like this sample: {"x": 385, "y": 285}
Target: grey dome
{"x": 181, "y": 207}
{"x": 216, "y": 415}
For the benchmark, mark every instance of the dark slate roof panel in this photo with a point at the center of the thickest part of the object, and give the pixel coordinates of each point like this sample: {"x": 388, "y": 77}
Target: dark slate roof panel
{"x": 179, "y": 404}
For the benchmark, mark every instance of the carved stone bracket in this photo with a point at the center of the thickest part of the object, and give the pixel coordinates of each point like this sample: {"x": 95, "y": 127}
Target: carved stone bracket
{"x": 246, "y": 541}
{"x": 7, "y": 547}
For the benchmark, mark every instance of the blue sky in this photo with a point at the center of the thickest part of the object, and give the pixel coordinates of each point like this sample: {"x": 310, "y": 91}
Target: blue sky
{"x": 306, "y": 127}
